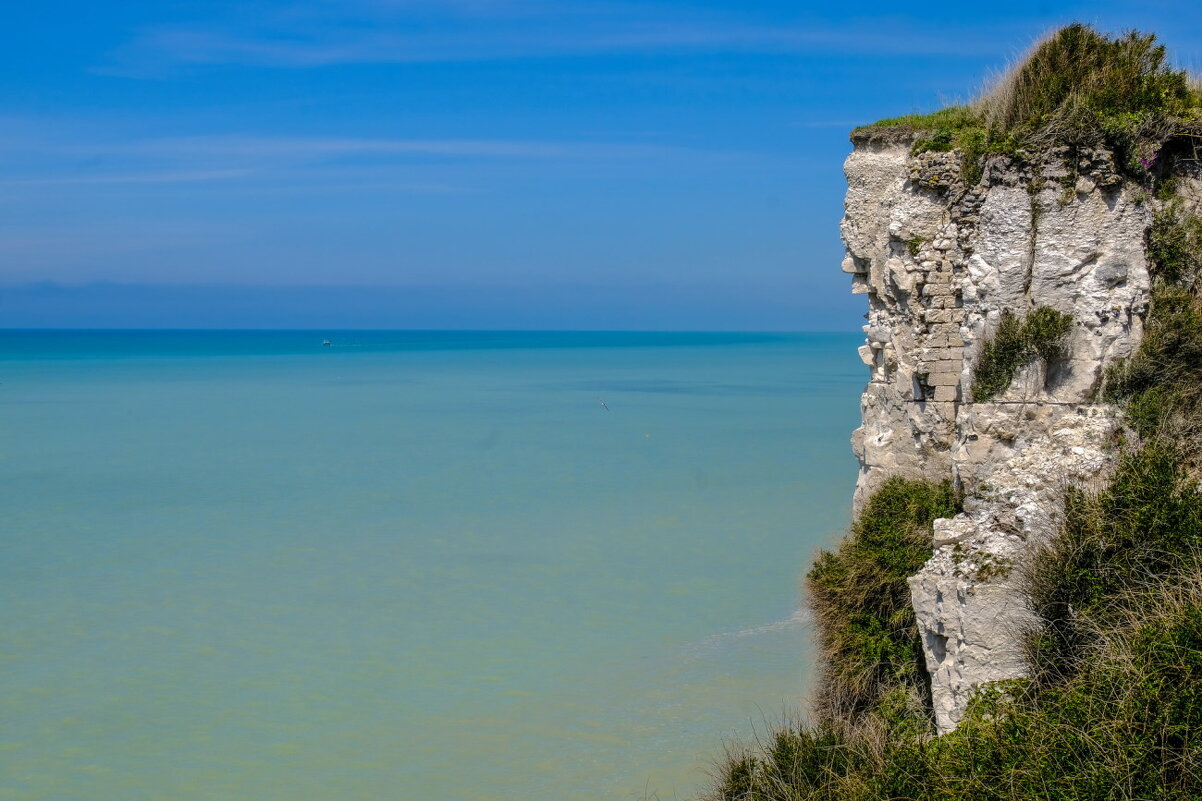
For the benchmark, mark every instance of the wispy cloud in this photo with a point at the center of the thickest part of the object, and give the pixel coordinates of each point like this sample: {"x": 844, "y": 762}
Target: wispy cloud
{"x": 267, "y": 49}
{"x": 169, "y": 177}
{"x": 221, "y": 156}
{"x": 316, "y": 148}
{"x": 35, "y": 159}
{"x": 326, "y": 34}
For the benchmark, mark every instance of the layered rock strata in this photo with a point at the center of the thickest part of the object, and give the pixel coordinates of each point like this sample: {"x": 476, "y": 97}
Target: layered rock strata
{"x": 940, "y": 263}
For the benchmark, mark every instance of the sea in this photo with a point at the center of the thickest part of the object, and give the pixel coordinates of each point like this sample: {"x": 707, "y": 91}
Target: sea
{"x": 254, "y": 566}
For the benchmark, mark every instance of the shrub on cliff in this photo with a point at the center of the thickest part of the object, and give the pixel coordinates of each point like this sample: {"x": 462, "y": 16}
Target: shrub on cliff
{"x": 858, "y": 594}
{"x": 872, "y": 694}
{"x": 1141, "y": 531}
{"x": 1127, "y": 724}
{"x": 1175, "y": 245}
{"x": 1081, "y": 87}
{"x": 1077, "y": 87}
{"x": 1161, "y": 385}
{"x": 1016, "y": 343}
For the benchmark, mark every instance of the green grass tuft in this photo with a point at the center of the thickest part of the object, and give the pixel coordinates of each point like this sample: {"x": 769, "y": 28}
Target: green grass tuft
{"x": 1175, "y": 244}
{"x": 1160, "y": 386}
{"x": 952, "y": 117}
{"x": 1016, "y": 343}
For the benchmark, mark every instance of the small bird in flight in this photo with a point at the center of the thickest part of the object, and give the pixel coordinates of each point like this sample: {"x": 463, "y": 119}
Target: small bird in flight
{"x": 603, "y": 406}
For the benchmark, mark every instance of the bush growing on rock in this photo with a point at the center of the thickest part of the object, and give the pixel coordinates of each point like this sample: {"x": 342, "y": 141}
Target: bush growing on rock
{"x": 1016, "y": 343}
{"x": 1077, "y": 88}
{"x": 861, "y": 602}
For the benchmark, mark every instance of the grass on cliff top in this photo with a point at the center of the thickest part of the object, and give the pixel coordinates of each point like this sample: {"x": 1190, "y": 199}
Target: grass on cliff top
{"x": 1076, "y": 87}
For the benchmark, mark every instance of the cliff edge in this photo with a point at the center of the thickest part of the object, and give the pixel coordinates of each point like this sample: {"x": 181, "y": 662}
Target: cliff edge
{"x": 940, "y": 265}
{"x": 1016, "y": 609}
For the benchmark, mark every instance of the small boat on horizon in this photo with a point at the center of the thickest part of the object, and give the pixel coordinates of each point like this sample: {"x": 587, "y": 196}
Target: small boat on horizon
{"x": 325, "y": 343}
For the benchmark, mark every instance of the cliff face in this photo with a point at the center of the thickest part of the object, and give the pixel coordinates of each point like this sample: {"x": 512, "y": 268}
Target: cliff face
{"x": 941, "y": 263}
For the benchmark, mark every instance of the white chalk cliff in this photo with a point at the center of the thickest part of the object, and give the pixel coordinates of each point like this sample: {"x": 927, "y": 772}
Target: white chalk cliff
{"x": 940, "y": 263}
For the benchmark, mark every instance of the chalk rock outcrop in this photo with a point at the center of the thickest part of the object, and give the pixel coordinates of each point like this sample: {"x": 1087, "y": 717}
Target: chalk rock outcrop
{"x": 940, "y": 263}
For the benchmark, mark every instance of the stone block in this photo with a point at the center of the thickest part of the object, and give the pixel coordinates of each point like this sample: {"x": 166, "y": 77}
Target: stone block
{"x": 949, "y": 393}
{"x": 943, "y": 379}
{"x": 944, "y": 315}
{"x": 941, "y": 368}
{"x": 850, "y": 265}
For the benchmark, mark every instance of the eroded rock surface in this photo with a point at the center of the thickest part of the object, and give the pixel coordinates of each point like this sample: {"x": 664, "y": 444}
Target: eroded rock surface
{"x": 940, "y": 263}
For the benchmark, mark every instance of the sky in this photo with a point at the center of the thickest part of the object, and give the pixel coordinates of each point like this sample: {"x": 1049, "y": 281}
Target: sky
{"x": 521, "y": 164}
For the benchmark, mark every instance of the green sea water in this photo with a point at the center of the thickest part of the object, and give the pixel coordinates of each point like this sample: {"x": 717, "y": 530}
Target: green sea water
{"x": 246, "y": 566}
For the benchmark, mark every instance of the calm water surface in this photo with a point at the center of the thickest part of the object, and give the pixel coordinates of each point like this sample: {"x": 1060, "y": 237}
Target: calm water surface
{"x": 243, "y": 566}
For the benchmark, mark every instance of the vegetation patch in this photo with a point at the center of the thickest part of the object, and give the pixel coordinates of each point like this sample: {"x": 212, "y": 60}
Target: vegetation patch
{"x": 1128, "y": 725}
{"x": 1175, "y": 244}
{"x": 1161, "y": 385}
{"x": 1138, "y": 532}
{"x": 1080, "y": 87}
{"x": 1016, "y": 343}
{"x": 861, "y": 603}
{"x": 1077, "y": 88}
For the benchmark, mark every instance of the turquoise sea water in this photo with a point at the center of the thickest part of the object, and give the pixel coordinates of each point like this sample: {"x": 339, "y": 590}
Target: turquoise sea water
{"x": 240, "y": 565}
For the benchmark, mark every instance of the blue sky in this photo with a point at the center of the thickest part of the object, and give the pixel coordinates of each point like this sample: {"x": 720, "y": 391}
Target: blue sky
{"x": 468, "y": 163}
